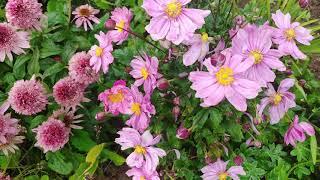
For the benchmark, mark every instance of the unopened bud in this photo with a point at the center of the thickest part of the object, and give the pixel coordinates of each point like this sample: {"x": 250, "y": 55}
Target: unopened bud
{"x": 100, "y": 116}
{"x": 57, "y": 58}
{"x": 176, "y": 112}
{"x": 182, "y": 132}
{"x": 110, "y": 24}
{"x": 239, "y": 20}
{"x": 162, "y": 84}
{"x": 302, "y": 82}
{"x": 288, "y": 72}
{"x": 238, "y": 160}
{"x": 176, "y": 101}
{"x": 304, "y": 3}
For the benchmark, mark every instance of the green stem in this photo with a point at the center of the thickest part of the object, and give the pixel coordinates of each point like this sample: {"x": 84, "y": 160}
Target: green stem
{"x": 303, "y": 163}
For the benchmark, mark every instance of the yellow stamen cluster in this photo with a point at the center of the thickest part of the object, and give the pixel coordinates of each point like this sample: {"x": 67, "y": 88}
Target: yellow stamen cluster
{"x": 290, "y": 34}
{"x": 223, "y": 176}
{"x": 204, "y": 37}
{"x": 144, "y": 73}
{"x": 173, "y": 9}
{"x": 225, "y": 76}
{"x": 140, "y": 150}
{"x": 116, "y": 98}
{"x": 257, "y": 55}
{"x": 277, "y": 99}
{"x": 120, "y": 25}
{"x": 136, "y": 108}
{"x": 99, "y": 51}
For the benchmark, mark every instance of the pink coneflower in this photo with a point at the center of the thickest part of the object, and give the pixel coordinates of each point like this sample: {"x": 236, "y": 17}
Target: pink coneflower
{"x": 80, "y": 69}
{"x": 141, "y": 110}
{"x": 254, "y": 44}
{"x": 145, "y": 71}
{"x": 225, "y": 82}
{"x": 218, "y": 170}
{"x": 296, "y": 132}
{"x": 169, "y": 19}
{"x": 11, "y": 145}
{"x": 12, "y": 41}
{"x": 199, "y": 48}
{"x": 144, "y": 150}
{"x": 68, "y": 117}
{"x": 101, "y": 56}
{"x": 84, "y": 14}
{"x": 279, "y": 101}
{"x": 28, "y": 97}
{"x": 142, "y": 174}
{"x": 52, "y": 135}
{"x": 287, "y": 34}
{"x": 24, "y": 14}
{"x": 122, "y": 17}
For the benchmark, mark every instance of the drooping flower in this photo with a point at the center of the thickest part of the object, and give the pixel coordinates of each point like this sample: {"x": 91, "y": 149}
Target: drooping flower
{"x": 254, "y": 44}
{"x": 141, "y": 110}
{"x": 296, "y": 132}
{"x": 144, "y": 150}
{"x": 12, "y": 40}
{"x": 84, "y": 14}
{"x": 52, "y": 135}
{"x": 101, "y": 56}
{"x": 80, "y": 69}
{"x": 24, "y": 14}
{"x": 288, "y": 33}
{"x": 279, "y": 101}
{"x": 218, "y": 170}
{"x": 68, "y": 117}
{"x": 122, "y": 17}
{"x": 199, "y": 48}
{"x": 142, "y": 174}
{"x": 225, "y": 82}
{"x": 145, "y": 71}
{"x": 28, "y": 97}
{"x": 117, "y": 99}
{"x": 171, "y": 20}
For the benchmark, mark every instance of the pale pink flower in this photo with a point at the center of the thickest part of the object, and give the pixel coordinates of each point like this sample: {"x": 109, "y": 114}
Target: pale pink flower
{"x": 296, "y": 132}
{"x": 11, "y": 145}
{"x": 101, "y": 56}
{"x": 144, "y": 150}
{"x": 122, "y": 17}
{"x": 199, "y": 48}
{"x": 279, "y": 101}
{"x": 218, "y": 170}
{"x": 84, "y": 14}
{"x": 12, "y": 40}
{"x": 171, "y": 20}
{"x": 8, "y": 127}
{"x": 288, "y": 33}
{"x": 142, "y": 174}
{"x": 225, "y": 82}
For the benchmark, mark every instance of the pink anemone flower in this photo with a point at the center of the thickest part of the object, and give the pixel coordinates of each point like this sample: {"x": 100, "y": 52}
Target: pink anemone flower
{"x": 199, "y": 48}
{"x": 142, "y": 174}
{"x": 84, "y": 14}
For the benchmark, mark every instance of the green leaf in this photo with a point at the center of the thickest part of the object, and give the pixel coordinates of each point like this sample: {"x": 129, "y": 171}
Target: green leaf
{"x": 114, "y": 157}
{"x": 33, "y": 66}
{"x": 215, "y": 118}
{"x": 313, "y": 48}
{"x": 82, "y": 141}
{"x": 57, "y": 162}
{"x": 19, "y": 69}
{"x": 301, "y": 152}
{"x": 313, "y": 149}
{"x": 37, "y": 120}
{"x": 94, "y": 153}
{"x": 53, "y": 70}
{"x": 44, "y": 177}
{"x": 102, "y": 4}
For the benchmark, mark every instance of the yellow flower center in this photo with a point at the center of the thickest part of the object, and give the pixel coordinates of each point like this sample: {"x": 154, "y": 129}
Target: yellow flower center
{"x": 142, "y": 178}
{"x": 120, "y": 25}
{"x": 135, "y": 108}
{"x": 173, "y": 9}
{"x": 204, "y": 37}
{"x": 144, "y": 73}
{"x": 84, "y": 12}
{"x": 257, "y": 56}
{"x": 116, "y": 98}
{"x": 225, "y": 76}
{"x": 277, "y": 99}
{"x": 290, "y": 34}
{"x": 140, "y": 150}
{"x": 99, "y": 51}
{"x": 223, "y": 176}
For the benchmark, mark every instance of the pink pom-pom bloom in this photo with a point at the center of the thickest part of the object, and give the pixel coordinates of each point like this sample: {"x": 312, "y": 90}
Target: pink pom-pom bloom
{"x": 28, "y": 97}
{"x": 12, "y": 41}
{"x": 287, "y": 34}
{"x": 199, "y": 48}
{"x": 218, "y": 170}
{"x": 254, "y": 44}
{"x": 225, "y": 82}
{"x": 84, "y": 14}
{"x": 296, "y": 132}
{"x": 117, "y": 99}
{"x": 280, "y": 101}
{"x": 52, "y": 135}
{"x": 142, "y": 174}
{"x": 101, "y": 56}
{"x": 122, "y": 17}
{"x": 141, "y": 110}
{"x": 145, "y": 71}
{"x": 144, "y": 150}
{"x": 172, "y": 20}
{"x": 3, "y": 176}
{"x": 24, "y": 14}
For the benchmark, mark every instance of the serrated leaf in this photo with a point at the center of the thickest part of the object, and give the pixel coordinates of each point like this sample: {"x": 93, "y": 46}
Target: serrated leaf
{"x": 313, "y": 149}
{"x": 33, "y": 66}
{"x": 94, "y": 153}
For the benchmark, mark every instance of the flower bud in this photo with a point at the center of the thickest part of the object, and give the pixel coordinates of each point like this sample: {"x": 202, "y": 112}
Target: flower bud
{"x": 162, "y": 84}
{"x": 217, "y": 59}
{"x": 302, "y": 82}
{"x": 288, "y": 72}
{"x": 238, "y": 160}
{"x": 110, "y": 24}
{"x": 176, "y": 101}
{"x": 182, "y": 132}
{"x": 239, "y": 20}
{"x": 246, "y": 127}
{"x": 100, "y": 116}
{"x": 57, "y": 58}
{"x": 257, "y": 144}
{"x": 176, "y": 112}
{"x": 304, "y": 3}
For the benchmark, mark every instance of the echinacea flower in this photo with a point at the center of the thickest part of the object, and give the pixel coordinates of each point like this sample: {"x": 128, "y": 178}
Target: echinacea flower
{"x": 80, "y": 69}
{"x": 122, "y": 17}
{"x": 218, "y": 170}
{"x": 288, "y": 33}
{"x": 84, "y": 14}
{"x": 144, "y": 150}
{"x": 145, "y": 71}
{"x": 254, "y": 44}
{"x": 24, "y": 14}
{"x": 171, "y": 20}
{"x": 68, "y": 117}
{"x": 225, "y": 82}
{"x": 279, "y": 101}
{"x": 199, "y": 48}
{"x": 296, "y": 132}
{"x": 141, "y": 110}
{"x": 52, "y": 135}
{"x": 142, "y": 174}
{"x": 12, "y": 40}
{"x": 101, "y": 56}
{"x": 28, "y": 97}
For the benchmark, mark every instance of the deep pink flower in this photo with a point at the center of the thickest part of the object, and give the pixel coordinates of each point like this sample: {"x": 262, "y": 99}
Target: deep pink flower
{"x": 218, "y": 170}
{"x": 163, "y": 84}
{"x": 101, "y": 56}
{"x": 171, "y": 20}
{"x": 279, "y": 101}
{"x": 145, "y": 71}
{"x": 199, "y": 48}
{"x": 3, "y": 176}
{"x": 144, "y": 150}
{"x": 122, "y": 17}
{"x": 142, "y": 174}
{"x": 225, "y": 82}
{"x": 141, "y": 110}
{"x": 12, "y": 40}
{"x": 24, "y": 14}
{"x": 182, "y": 132}
{"x": 288, "y": 33}
{"x": 84, "y": 14}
